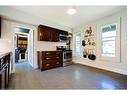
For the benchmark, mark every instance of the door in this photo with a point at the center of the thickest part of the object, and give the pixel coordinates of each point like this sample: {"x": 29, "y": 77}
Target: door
{"x": 6, "y": 76}
{"x": 44, "y": 33}
{"x": 54, "y": 35}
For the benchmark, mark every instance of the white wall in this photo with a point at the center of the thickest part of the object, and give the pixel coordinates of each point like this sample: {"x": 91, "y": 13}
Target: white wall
{"x": 13, "y": 14}
{"x": 120, "y": 67}
{"x": 7, "y": 39}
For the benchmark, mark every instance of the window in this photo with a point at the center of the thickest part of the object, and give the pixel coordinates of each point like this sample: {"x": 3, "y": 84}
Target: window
{"x": 78, "y": 43}
{"x": 109, "y": 40}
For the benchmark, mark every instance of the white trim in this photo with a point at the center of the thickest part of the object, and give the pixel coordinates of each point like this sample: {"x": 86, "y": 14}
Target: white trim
{"x": 13, "y": 26}
{"x": 77, "y": 33}
{"x": 112, "y": 69}
{"x": 118, "y": 46}
{"x": 24, "y": 34}
{"x": 21, "y": 60}
{"x": 30, "y": 63}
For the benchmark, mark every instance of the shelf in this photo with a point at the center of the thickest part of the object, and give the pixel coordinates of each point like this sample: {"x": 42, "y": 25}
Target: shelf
{"x": 22, "y": 44}
{"x": 90, "y": 37}
{"x": 90, "y": 41}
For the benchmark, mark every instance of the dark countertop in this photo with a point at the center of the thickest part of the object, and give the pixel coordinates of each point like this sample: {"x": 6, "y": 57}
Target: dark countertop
{"x": 54, "y": 50}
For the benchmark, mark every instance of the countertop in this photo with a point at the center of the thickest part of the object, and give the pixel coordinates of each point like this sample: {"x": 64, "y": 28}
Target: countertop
{"x": 2, "y": 54}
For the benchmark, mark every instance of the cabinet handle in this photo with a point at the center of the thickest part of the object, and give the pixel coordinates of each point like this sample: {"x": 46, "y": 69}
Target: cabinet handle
{"x": 47, "y": 53}
{"x": 2, "y": 60}
{"x": 57, "y": 53}
{"x": 47, "y": 64}
{"x": 57, "y": 62}
{"x": 40, "y": 34}
{"x": 47, "y": 58}
{"x": 57, "y": 57}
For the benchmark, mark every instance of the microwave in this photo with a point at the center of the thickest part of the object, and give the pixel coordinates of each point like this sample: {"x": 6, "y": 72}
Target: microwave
{"x": 63, "y": 37}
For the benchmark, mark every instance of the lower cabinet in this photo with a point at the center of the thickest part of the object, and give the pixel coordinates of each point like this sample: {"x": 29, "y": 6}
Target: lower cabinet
{"x": 4, "y": 71}
{"x": 6, "y": 76}
{"x": 2, "y": 79}
{"x": 49, "y": 59}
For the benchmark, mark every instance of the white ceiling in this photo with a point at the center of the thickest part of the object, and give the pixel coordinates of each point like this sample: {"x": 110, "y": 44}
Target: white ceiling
{"x": 58, "y": 14}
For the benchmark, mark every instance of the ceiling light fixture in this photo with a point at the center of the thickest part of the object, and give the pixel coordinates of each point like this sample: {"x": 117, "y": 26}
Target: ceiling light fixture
{"x": 71, "y": 11}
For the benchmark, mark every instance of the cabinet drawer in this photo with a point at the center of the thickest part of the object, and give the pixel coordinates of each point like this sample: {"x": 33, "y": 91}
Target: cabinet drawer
{"x": 57, "y": 53}
{"x": 44, "y": 58}
{"x": 48, "y": 53}
{"x": 47, "y": 65}
{"x": 57, "y": 57}
{"x": 51, "y": 58}
{"x": 57, "y": 64}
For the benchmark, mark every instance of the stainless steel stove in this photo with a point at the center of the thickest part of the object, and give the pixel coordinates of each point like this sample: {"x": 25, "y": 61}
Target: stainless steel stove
{"x": 66, "y": 55}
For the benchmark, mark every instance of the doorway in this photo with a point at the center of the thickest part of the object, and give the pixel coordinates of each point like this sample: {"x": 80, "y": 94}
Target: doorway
{"x": 23, "y": 44}
{"x": 21, "y": 47}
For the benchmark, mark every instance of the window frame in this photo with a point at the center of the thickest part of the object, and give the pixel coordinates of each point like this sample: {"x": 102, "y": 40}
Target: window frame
{"x": 117, "y": 57}
{"x": 78, "y": 33}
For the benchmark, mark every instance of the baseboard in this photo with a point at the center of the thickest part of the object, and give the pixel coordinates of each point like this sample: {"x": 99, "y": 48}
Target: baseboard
{"x": 115, "y": 70}
{"x": 30, "y": 64}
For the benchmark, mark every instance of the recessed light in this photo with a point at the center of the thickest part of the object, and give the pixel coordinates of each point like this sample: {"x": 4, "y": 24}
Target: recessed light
{"x": 71, "y": 11}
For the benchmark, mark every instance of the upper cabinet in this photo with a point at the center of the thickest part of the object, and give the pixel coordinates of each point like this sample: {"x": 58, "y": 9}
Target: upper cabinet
{"x": 46, "y": 33}
{"x": 54, "y": 36}
{"x": 43, "y": 33}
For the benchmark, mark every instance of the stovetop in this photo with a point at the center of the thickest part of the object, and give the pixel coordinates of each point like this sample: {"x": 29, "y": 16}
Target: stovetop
{"x": 64, "y": 50}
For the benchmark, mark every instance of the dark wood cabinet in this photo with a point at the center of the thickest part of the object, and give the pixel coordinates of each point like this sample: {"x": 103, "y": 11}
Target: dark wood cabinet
{"x": 49, "y": 59}
{"x": 2, "y": 79}
{"x": 43, "y": 33}
{"x": 54, "y": 35}
{"x": 4, "y": 71}
{"x": 46, "y": 33}
{"x": 7, "y": 75}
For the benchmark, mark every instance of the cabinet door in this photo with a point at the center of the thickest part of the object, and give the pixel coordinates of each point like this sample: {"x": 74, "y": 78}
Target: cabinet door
{"x": 2, "y": 79}
{"x": 44, "y": 33}
{"x": 6, "y": 76}
{"x": 54, "y": 35}
{"x": 47, "y": 65}
{"x": 57, "y": 63}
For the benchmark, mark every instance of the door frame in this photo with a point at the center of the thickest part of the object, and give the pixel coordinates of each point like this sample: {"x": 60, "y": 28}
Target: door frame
{"x": 31, "y": 27}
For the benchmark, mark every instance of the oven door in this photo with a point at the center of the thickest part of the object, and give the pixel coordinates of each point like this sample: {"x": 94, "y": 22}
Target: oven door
{"x": 67, "y": 56}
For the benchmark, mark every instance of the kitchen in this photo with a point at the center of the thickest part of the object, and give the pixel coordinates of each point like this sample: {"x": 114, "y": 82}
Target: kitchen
{"x": 58, "y": 50}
